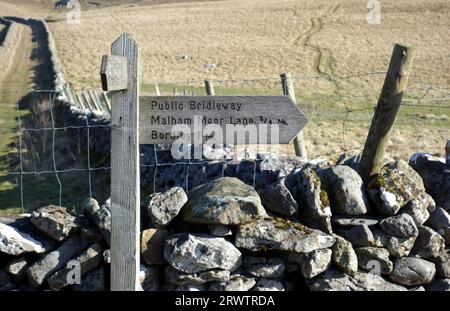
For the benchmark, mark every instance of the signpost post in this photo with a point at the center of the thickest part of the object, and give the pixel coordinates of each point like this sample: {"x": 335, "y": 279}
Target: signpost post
{"x": 151, "y": 122}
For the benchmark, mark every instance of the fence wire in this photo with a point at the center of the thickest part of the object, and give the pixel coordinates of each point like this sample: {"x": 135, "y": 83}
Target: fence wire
{"x": 339, "y": 110}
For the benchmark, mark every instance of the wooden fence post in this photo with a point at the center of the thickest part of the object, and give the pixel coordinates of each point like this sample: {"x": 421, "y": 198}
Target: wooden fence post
{"x": 209, "y": 88}
{"x": 158, "y": 92}
{"x": 288, "y": 90}
{"x": 386, "y": 111}
{"x": 447, "y": 154}
{"x": 125, "y": 179}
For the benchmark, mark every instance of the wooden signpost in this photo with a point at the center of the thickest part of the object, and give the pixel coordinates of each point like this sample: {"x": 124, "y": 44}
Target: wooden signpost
{"x": 150, "y": 122}
{"x": 159, "y": 113}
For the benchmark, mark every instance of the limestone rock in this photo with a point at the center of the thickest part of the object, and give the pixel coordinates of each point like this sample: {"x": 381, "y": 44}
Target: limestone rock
{"x": 152, "y": 245}
{"x": 54, "y": 261}
{"x": 440, "y": 221}
{"x": 163, "y": 207}
{"x": 315, "y": 262}
{"x": 277, "y": 198}
{"x": 101, "y": 216}
{"x": 370, "y": 258}
{"x": 55, "y": 222}
{"x": 358, "y": 235}
{"x": 397, "y": 247}
{"x": 402, "y": 226}
{"x": 236, "y": 283}
{"x": 179, "y": 278}
{"x": 14, "y": 242}
{"x": 280, "y": 234}
{"x": 346, "y": 221}
{"x": 335, "y": 280}
{"x": 17, "y": 268}
{"x": 220, "y": 230}
{"x": 346, "y": 190}
{"x": 192, "y": 253}
{"x": 315, "y": 202}
{"x": 107, "y": 256}
{"x": 411, "y": 271}
{"x": 420, "y": 207}
{"x": 225, "y": 201}
{"x": 395, "y": 186}
{"x": 429, "y": 243}
{"x": 344, "y": 256}
{"x": 264, "y": 267}
{"x": 270, "y": 285}
{"x": 436, "y": 182}
{"x": 87, "y": 261}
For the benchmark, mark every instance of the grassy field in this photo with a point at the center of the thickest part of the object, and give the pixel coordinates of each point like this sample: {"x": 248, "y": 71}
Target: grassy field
{"x": 243, "y": 46}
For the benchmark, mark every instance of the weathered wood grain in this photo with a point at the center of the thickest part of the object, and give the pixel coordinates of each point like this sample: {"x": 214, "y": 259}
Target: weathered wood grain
{"x": 125, "y": 192}
{"x": 288, "y": 90}
{"x": 113, "y": 73}
{"x": 209, "y": 88}
{"x": 386, "y": 111}
{"x": 251, "y": 109}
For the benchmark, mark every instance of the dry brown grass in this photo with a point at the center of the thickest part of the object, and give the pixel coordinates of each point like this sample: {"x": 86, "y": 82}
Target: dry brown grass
{"x": 261, "y": 38}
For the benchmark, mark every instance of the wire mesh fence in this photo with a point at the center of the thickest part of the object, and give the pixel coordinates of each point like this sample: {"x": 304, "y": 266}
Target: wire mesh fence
{"x": 59, "y": 153}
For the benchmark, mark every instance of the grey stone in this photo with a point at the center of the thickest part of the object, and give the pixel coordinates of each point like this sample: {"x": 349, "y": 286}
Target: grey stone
{"x": 277, "y": 198}
{"x": 270, "y": 285}
{"x": 179, "y": 278}
{"x": 439, "y": 285}
{"x": 335, "y": 280}
{"x": 315, "y": 262}
{"x": 191, "y": 253}
{"x": 24, "y": 225}
{"x": 436, "y": 182}
{"x": 346, "y": 221}
{"x": 88, "y": 260}
{"x": 358, "y": 235}
{"x": 429, "y": 243}
{"x": 442, "y": 262}
{"x": 55, "y": 222}
{"x": 344, "y": 256}
{"x": 17, "y": 268}
{"x": 395, "y": 186}
{"x": 411, "y": 271}
{"x": 148, "y": 278}
{"x": 93, "y": 281}
{"x": 14, "y": 242}
{"x": 164, "y": 207}
{"x": 101, "y": 216}
{"x": 397, "y": 247}
{"x": 225, "y": 201}
{"x": 236, "y": 283}
{"x": 220, "y": 230}
{"x": 107, "y": 256}
{"x": 281, "y": 234}
{"x": 370, "y": 258}
{"x": 264, "y": 267}
{"x": 315, "y": 203}
{"x": 54, "y": 261}
{"x": 346, "y": 190}
{"x": 440, "y": 222}
{"x": 420, "y": 207}
{"x": 402, "y": 226}
{"x": 152, "y": 245}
